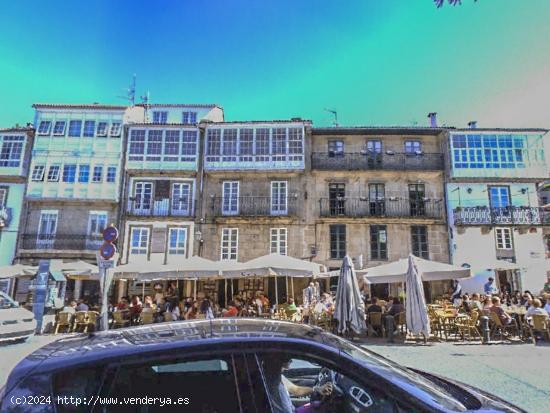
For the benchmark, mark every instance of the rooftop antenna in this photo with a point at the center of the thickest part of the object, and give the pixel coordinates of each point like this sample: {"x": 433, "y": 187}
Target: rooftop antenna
{"x": 131, "y": 92}
{"x": 335, "y": 114}
{"x": 146, "y": 100}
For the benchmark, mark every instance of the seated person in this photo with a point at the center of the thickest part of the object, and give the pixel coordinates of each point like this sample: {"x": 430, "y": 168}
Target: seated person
{"x": 291, "y": 305}
{"x": 397, "y": 307}
{"x": 505, "y": 318}
{"x": 475, "y": 303}
{"x": 536, "y": 309}
{"x": 82, "y": 306}
{"x": 71, "y": 308}
{"x": 374, "y": 307}
{"x": 231, "y": 311}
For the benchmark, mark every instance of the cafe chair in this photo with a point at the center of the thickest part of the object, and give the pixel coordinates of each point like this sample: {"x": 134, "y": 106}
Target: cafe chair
{"x": 80, "y": 320}
{"x": 375, "y": 326}
{"x": 147, "y": 317}
{"x": 63, "y": 321}
{"x": 501, "y": 329}
{"x": 539, "y": 324}
{"x": 119, "y": 320}
{"x": 401, "y": 323}
{"x": 467, "y": 326}
{"x": 91, "y": 320}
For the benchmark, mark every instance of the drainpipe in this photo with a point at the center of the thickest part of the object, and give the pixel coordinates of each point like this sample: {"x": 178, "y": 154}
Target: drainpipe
{"x": 200, "y": 212}
{"x": 122, "y": 193}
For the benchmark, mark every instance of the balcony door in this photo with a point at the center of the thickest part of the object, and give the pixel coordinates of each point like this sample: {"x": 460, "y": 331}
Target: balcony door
{"x": 279, "y": 196}
{"x": 97, "y": 222}
{"x": 230, "y": 200}
{"x": 47, "y": 229}
{"x": 143, "y": 197}
{"x": 499, "y": 201}
{"x": 181, "y": 199}
{"x": 417, "y": 193}
{"x": 377, "y": 203}
{"x": 337, "y": 199}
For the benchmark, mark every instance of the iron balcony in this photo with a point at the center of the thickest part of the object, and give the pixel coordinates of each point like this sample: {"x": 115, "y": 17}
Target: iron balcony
{"x": 377, "y": 161}
{"x": 362, "y": 207}
{"x": 253, "y": 206}
{"x": 513, "y": 215}
{"x": 73, "y": 242}
{"x": 161, "y": 207}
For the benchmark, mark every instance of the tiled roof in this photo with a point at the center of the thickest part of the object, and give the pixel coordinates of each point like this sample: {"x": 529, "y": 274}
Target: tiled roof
{"x": 78, "y": 106}
{"x": 501, "y": 130}
{"x": 180, "y": 105}
{"x": 234, "y": 122}
{"x": 162, "y": 125}
{"x": 17, "y": 129}
{"x": 378, "y": 130}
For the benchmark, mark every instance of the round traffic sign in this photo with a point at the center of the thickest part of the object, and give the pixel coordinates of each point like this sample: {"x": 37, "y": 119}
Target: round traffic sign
{"x": 107, "y": 251}
{"x": 110, "y": 234}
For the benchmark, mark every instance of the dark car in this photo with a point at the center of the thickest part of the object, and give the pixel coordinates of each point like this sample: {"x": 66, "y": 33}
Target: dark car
{"x": 227, "y": 365}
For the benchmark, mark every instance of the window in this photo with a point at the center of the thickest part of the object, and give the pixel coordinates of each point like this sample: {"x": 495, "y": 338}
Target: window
{"x": 154, "y": 145}
{"x": 279, "y": 205}
{"x": 295, "y": 145}
{"x": 98, "y": 173}
{"x": 378, "y": 242}
{"x": 230, "y": 198}
{"x": 137, "y": 145}
{"x": 38, "y": 173}
{"x": 12, "y": 149}
{"x": 413, "y": 147}
{"x": 44, "y": 127}
{"x": 419, "y": 241}
{"x": 59, "y": 128}
{"x": 499, "y": 196}
{"x": 53, "y": 173}
{"x": 115, "y": 129}
{"x": 143, "y": 193}
{"x": 278, "y": 141}
{"x": 337, "y": 242}
{"x": 69, "y": 173}
{"x": 417, "y": 205}
{"x": 213, "y": 147}
{"x": 102, "y": 129}
{"x": 229, "y": 148}
{"x": 377, "y": 202}
{"x": 47, "y": 229}
{"x": 89, "y": 128}
{"x": 177, "y": 239}
{"x": 335, "y": 148}
{"x": 262, "y": 143}
{"x": 229, "y": 248}
{"x": 172, "y": 145}
{"x": 246, "y": 144}
{"x": 337, "y": 199}
{"x": 75, "y": 128}
{"x": 374, "y": 146}
{"x": 189, "y": 145}
{"x": 3, "y": 196}
{"x": 189, "y": 117}
{"x": 160, "y": 117}
{"x": 139, "y": 241}
{"x": 181, "y": 198}
{"x": 111, "y": 174}
{"x": 504, "y": 238}
{"x": 278, "y": 241}
{"x": 83, "y": 173}
{"x": 97, "y": 222}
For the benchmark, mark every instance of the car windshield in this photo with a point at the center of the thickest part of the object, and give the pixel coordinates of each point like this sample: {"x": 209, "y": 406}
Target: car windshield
{"x": 6, "y": 301}
{"x": 414, "y": 383}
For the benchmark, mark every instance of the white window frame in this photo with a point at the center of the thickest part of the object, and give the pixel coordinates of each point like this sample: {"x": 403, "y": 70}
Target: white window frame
{"x": 178, "y": 205}
{"x": 48, "y": 129}
{"x": 53, "y": 173}
{"x": 226, "y": 247}
{"x": 64, "y": 128}
{"x": 162, "y": 114}
{"x": 100, "y": 132}
{"x": 230, "y": 198}
{"x": 89, "y": 121}
{"x": 111, "y": 167}
{"x": 140, "y": 196}
{"x": 93, "y": 180}
{"x": 278, "y": 241}
{"x": 140, "y": 250}
{"x": 114, "y": 130}
{"x": 177, "y": 250}
{"x": 278, "y": 204}
{"x": 94, "y": 236}
{"x": 3, "y": 197}
{"x": 47, "y": 239}
{"x": 38, "y": 173}
{"x": 500, "y": 239}
{"x": 79, "y": 131}
{"x": 11, "y": 151}
{"x": 187, "y": 115}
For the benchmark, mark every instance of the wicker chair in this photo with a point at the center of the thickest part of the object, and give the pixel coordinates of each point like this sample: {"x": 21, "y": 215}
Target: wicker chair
{"x": 539, "y": 324}
{"x": 501, "y": 329}
{"x": 375, "y": 326}
{"x": 63, "y": 321}
{"x": 147, "y": 317}
{"x": 119, "y": 320}
{"x": 467, "y": 326}
{"x": 401, "y": 322}
{"x": 80, "y": 320}
{"x": 91, "y": 320}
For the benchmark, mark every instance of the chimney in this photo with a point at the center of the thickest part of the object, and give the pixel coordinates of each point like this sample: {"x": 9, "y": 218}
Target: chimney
{"x": 472, "y": 124}
{"x": 433, "y": 119}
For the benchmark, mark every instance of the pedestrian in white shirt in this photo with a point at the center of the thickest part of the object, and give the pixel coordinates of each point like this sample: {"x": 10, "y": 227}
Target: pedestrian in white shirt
{"x": 547, "y": 306}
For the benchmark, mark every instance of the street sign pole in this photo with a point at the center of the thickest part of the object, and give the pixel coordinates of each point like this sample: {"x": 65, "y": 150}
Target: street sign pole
{"x": 40, "y": 293}
{"x": 105, "y": 262}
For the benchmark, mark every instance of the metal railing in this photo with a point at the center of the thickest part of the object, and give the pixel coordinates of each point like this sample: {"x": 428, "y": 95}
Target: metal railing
{"x": 362, "y": 207}
{"x": 512, "y": 215}
{"x": 251, "y": 206}
{"x": 73, "y": 242}
{"x": 161, "y": 207}
{"x": 376, "y": 161}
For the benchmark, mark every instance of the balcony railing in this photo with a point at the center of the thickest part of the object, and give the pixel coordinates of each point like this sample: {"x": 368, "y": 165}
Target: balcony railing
{"x": 161, "y": 207}
{"x": 383, "y": 208}
{"x": 376, "y": 161}
{"x": 253, "y": 206}
{"x": 5, "y": 217}
{"x": 72, "y": 242}
{"x": 512, "y": 215}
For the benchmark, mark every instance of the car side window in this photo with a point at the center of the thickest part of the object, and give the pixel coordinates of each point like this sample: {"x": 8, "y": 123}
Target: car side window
{"x": 198, "y": 384}
{"x": 295, "y": 382}
{"x": 80, "y": 383}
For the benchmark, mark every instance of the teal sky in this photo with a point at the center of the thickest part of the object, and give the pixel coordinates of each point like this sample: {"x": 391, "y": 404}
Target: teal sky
{"x": 385, "y": 62}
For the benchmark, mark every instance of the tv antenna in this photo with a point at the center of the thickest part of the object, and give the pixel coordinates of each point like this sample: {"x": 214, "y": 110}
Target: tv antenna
{"x": 146, "y": 101}
{"x": 131, "y": 92}
{"x": 335, "y": 114}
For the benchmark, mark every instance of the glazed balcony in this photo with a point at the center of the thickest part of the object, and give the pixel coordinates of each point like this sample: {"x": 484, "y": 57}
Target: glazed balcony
{"x": 253, "y": 206}
{"x": 376, "y": 161}
{"x": 392, "y": 207}
{"x": 161, "y": 207}
{"x": 513, "y": 215}
{"x": 73, "y": 242}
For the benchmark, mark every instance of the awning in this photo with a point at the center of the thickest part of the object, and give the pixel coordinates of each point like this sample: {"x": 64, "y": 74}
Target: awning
{"x": 190, "y": 268}
{"x": 17, "y": 270}
{"x": 395, "y": 272}
{"x": 496, "y": 265}
{"x": 275, "y": 264}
